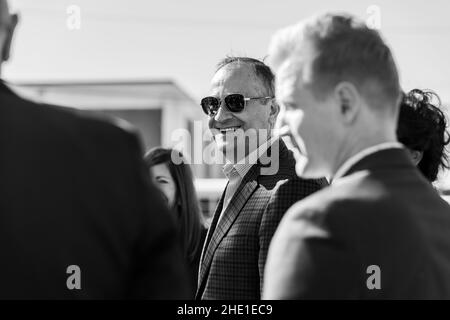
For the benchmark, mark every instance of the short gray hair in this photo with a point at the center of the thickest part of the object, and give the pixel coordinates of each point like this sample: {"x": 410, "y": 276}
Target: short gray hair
{"x": 345, "y": 49}
{"x": 262, "y": 70}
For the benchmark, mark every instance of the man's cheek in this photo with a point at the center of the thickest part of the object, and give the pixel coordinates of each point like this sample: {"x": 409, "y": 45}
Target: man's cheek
{"x": 298, "y": 117}
{"x": 295, "y": 121}
{"x": 297, "y": 126}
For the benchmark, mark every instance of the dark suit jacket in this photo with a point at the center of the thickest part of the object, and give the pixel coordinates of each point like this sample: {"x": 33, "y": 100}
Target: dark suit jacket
{"x": 74, "y": 191}
{"x": 194, "y": 265}
{"x": 382, "y": 213}
{"x": 235, "y": 250}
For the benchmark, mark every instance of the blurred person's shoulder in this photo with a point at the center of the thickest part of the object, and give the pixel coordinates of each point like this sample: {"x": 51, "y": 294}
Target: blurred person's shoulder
{"x": 289, "y": 191}
{"x": 295, "y": 184}
{"x": 342, "y": 202}
{"x": 42, "y": 119}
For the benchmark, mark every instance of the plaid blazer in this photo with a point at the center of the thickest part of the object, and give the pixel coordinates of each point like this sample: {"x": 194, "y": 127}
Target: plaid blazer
{"x": 235, "y": 250}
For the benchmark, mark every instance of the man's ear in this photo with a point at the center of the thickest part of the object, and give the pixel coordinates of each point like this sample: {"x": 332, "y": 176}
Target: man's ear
{"x": 348, "y": 100}
{"x": 10, "y": 32}
{"x": 274, "y": 111}
{"x": 416, "y": 156}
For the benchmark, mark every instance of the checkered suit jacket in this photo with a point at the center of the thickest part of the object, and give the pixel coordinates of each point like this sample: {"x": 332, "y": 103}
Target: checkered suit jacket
{"x": 235, "y": 250}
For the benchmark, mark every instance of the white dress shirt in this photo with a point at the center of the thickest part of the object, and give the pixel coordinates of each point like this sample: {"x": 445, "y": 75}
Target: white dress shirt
{"x": 236, "y": 172}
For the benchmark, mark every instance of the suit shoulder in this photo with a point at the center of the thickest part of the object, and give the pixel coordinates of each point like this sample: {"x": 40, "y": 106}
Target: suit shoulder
{"x": 91, "y": 122}
{"x": 46, "y": 119}
{"x": 289, "y": 191}
{"x": 296, "y": 184}
{"x": 354, "y": 202}
{"x": 320, "y": 205}
{"x": 100, "y": 124}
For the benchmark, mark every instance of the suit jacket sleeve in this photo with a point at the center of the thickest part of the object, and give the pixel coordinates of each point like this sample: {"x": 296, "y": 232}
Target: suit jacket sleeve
{"x": 307, "y": 262}
{"x": 160, "y": 271}
{"x": 285, "y": 194}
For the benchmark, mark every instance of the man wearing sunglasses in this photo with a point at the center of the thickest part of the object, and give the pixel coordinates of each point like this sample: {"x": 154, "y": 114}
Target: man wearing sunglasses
{"x": 242, "y": 112}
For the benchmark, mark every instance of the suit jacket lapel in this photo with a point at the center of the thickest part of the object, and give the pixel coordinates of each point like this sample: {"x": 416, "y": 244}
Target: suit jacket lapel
{"x": 212, "y": 227}
{"x": 237, "y": 202}
{"x": 245, "y": 190}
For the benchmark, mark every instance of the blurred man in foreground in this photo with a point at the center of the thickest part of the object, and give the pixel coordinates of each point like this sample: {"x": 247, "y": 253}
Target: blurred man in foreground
{"x": 78, "y": 216}
{"x": 379, "y": 231}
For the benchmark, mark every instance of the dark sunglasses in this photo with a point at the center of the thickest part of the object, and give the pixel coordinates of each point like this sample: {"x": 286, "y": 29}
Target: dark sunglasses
{"x": 234, "y": 102}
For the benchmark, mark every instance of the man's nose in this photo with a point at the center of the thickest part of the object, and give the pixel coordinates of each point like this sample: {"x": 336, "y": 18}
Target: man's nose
{"x": 223, "y": 113}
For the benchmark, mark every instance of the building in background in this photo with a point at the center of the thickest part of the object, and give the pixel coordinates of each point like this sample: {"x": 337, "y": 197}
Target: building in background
{"x": 155, "y": 108}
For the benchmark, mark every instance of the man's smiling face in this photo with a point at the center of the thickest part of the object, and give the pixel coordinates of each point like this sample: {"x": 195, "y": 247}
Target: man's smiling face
{"x": 239, "y": 78}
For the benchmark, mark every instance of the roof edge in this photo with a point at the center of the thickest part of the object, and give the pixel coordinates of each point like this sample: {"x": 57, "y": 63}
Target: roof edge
{"x": 99, "y": 82}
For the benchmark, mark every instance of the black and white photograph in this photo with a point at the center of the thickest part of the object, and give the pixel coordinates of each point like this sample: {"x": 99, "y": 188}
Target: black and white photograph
{"x": 245, "y": 151}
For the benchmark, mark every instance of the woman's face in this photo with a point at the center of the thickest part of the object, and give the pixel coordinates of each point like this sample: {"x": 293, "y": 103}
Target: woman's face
{"x": 163, "y": 180}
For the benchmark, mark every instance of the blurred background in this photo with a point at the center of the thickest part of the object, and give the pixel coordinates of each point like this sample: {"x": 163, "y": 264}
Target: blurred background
{"x": 149, "y": 61}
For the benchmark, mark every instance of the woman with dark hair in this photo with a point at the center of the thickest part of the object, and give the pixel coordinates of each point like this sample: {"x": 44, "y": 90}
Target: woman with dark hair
{"x": 422, "y": 128}
{"x": 175, "y": 181}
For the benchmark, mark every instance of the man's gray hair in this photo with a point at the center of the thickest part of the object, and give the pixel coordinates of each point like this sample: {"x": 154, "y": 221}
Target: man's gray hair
{"x": 342, "y": 48}
{"x": 262, "y": 71}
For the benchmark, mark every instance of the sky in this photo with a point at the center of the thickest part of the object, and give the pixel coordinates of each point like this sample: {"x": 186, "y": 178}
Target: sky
{"x": 184, "y": 40}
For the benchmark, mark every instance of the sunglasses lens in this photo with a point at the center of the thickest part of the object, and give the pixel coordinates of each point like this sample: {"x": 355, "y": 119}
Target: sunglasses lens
{"x": 210, "y": 105}
{"x": 235, "y": 102}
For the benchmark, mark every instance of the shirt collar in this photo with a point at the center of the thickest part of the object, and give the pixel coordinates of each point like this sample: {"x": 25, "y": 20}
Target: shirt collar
{"x": 244, "y": 165}
{"x": 350, "y": 162}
